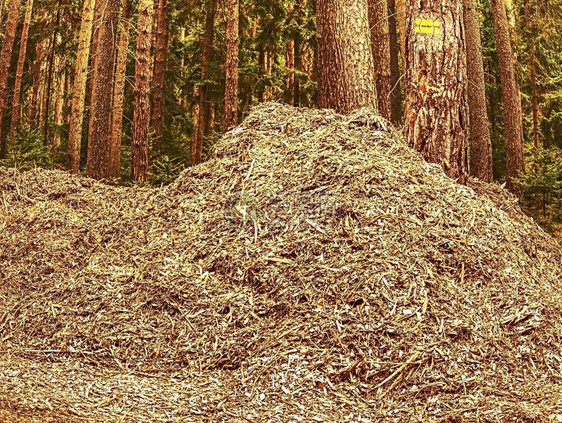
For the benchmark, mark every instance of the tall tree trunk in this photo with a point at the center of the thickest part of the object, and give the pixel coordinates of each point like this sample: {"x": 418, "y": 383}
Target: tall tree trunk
{"x": 16, "y": 104}
{"x": 99, "y": 7}
{"x": 141, "y": 119}
{"x": 59, "y": 103}
{"x": 50, "y": 75}
{"x": 79, "y": 88}
{"x": 159, "y": 76}
{"x": 231, "y": 65}
{"x": 515, "y": 162}
{"x": 290, "y": 65}
{"x": 534, "y": 97}
{"x": 204, "y": 103}
{"x": 380, "y": 45}
{"x": 119, "y": 92}
{"x": 480, "y": 143}
{"x": 436, "y": 115}
{"x": 195, "y": 119}
{"x": 535, "y": 108}
{"x": 300, "y": 6}
{"x": 6, "y": 59}
{"x": 44, "y": 67}
{"x": 32, "y": 111}
{"x": 395, "y": 72}
{"x": 345, "y": 62}
{"x": 401, "y": 14}
{"x": 99, "y": 137}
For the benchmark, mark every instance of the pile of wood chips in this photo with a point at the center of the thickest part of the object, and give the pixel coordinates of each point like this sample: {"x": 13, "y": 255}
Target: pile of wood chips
{"x": 315, "y": 269}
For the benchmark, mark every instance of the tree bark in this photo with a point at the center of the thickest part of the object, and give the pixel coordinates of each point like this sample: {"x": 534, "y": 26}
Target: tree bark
{"x": 401, "y": 12}
{"x": 380, "y": 46}
{"x": 99, "y": 137}
{"x": 515, "y": 162}
{"x": 79, "y": 88}
{"x": 290, "y": 65}
{"x": 395, "y": 72}
{"x": 195, "y": 119}
{"x": 119, "y": 92}
{"x": 231, "y": 65}
{"x": 6, "y": 59}
{"x": 535, "y": 107}
{"x": 59, "y": 102}
{"x": 345, "y": 62}
{"x": 159, "y": 75}
{"x": 50, "y": 75}
{"x": 436, "y": 115}
{"x": 32, "y": 112}
{"x": 300, "y": 6}
{"x": 204, "y": 103}
{"x": 480, "y": 143}
{"x": 16, "y": 104}
{"x": 141, "y": 119}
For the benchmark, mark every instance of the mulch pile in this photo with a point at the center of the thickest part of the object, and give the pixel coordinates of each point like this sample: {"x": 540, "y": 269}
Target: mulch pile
{"x": 315, "y": 269}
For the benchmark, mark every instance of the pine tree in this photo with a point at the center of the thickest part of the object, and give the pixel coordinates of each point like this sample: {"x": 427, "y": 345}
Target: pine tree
{"x": 16, "y": 104}
{"x": 99, "y": 137}
{"x": 231, "y": 65}
{"x": 395, "y": 73}
{"x": 119, "y": 92}
{"x": 203, "y": 126}
{"x": 6, "y": 57}
{"x": 515, "y": 162}
{"x": 480, "y": 143}
{"x": 380, "y": 45}
{"x": 50, "y": 75}
{"x": 345, "y": 61}
{"x": 436, "y": 114}
{"x": 159, "y": 75}
{"x": 79, "y": 88}
{"x": 143, "y": 72}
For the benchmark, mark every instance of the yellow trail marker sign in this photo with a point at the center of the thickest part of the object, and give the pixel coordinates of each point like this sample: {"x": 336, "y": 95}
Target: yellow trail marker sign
{"x": 427, "y": 26}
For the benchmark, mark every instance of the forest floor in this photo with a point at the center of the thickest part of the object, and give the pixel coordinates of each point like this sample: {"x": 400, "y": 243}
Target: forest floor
{"x": 315, "y": 269}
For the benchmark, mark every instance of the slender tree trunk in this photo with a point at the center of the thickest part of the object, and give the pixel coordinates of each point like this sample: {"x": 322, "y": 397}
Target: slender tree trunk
{"x": 290, "y": 65}
{"x": 32, "y": 115}
{"x": 480, "y": 143}
{"x": 50, "y": 75}
{"x": 380, "y": 46}
{"x": 204, "y": 102}
{"x": 231, "y": 66}
{"x": 195, "y": 118}
{"x": 79, "y": 89}
{"x": 345, "y": 62}
{"x": 43, "y": 88}
{"x": 159, "y": 76}
{"x": 99, "y": 137}
{"x": 6, "y": 59}
{"x": 535, "y": 108}
{"x": 119, "y": 92}
{"x": 401, "y": 14}
{"x": 59, "y": 103}
{"x": 99, "y": 7}
{"x": 300, "y": 6}
{"x": 436, "y": 116}
{"x": 16, "y": 108}
{"x": 141, "y": 118}
{"x": 534, "y": 97}
{"x": 515, "y": 162}
{"x": 395, "y": 72}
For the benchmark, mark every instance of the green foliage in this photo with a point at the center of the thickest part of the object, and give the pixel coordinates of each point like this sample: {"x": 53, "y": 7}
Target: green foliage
{"x": 542, "y": 183}
{"x": 27, "y": 151}
{"x": 165, "y": 170}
